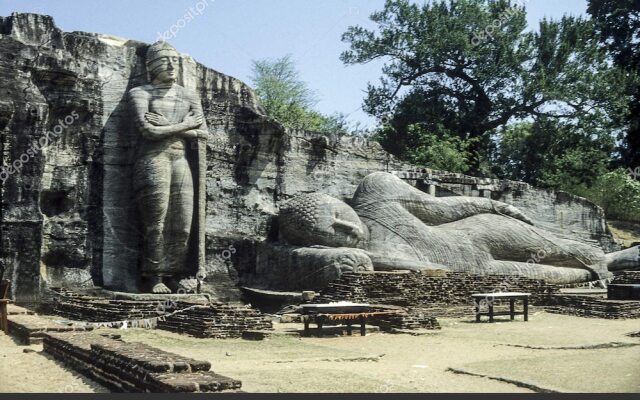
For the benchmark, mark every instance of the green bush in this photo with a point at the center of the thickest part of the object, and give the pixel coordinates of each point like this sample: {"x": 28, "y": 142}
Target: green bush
{"x": 617, "y": 192}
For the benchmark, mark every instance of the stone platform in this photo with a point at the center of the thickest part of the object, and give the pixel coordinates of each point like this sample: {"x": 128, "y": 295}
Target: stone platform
{"x": 437, "y": 295}
{"x": 134, "y": 367}
{"x": 31, "y": 329}
{"x": 194, "y": 315}
{"x": 594, "y": 303}
{"x": 582, "y": 305}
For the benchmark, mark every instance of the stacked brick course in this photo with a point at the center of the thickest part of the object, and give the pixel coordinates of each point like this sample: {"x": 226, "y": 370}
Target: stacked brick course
{"x": 216, "y": 320}
{"x": 31, "y": 329}
{"x": 440, "y": 296}
{"x": 134, "y": 367}
{"x": 203, "y": 320}
{"x": 628, "y": 278}
{"x": 594, "y": 306}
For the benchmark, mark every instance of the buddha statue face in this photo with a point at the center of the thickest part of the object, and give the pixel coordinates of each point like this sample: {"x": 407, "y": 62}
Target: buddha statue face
{"x": 319, "y": 219}
{"x": 163, "y": 63}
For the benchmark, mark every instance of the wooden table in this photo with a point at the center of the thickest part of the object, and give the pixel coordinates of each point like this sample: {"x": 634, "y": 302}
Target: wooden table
{"x": 346, "y": 318}
{"x": 489, "y": 298}
{"x": 349, "y": 319}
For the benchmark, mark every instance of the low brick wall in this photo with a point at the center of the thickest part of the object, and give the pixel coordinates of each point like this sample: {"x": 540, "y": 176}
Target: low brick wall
{"x": 134, "y": 367}
{"x": 436, "y": 293}
{"x": 627, "y": 278}
{"x": 31, "y": 329}
{"x": 220, "y": 321}
{"x": 593, "y": 306}
{"x": 203, "y": 320}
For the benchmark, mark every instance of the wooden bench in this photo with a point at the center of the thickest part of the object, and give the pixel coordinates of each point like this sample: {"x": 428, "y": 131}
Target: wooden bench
{"x": 489, "y": 298}
{"x": 4, "y": 300}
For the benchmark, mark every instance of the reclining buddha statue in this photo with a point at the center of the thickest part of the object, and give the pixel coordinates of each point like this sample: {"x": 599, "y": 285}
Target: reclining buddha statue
{"x": 391, "y": 225}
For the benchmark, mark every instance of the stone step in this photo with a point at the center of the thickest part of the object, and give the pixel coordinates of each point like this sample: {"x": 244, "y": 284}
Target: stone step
{"x": 30, "y": 329}
{"x": 134, "y": 367}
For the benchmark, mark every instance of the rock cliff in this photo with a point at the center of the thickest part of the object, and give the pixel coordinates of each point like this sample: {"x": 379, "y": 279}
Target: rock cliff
{"x": 67, "y": 148}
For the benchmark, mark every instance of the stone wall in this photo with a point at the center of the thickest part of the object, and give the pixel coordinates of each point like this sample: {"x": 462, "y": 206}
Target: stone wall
{"x": 436, "y": 295}
{"x": 66, "y": 218}
{"x": 593, "y": 307}
{"x": 628, "y": 277}
{"x": 134, "y": 367}
{"x": 202, "y": 319}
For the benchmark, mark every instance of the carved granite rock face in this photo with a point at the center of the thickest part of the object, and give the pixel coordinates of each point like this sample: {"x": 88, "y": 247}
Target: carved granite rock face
{"x": 411, "y": 230}
{"x": 170, "y": 159}
{"x": 67, "y": 218}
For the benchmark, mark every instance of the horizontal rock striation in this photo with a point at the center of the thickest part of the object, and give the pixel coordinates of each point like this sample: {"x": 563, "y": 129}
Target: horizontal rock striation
{"x": 66, "y": 218}
{"x": 628, "y": 278}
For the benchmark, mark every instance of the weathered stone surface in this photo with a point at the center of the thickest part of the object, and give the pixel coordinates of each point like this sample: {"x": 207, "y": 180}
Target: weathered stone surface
{"x": 189, "y": 314}
{"x": 134, "y": 367}
{"x": 593, "y": 306}
{"x": 438, "y": 296}
{"x": 30, "y": 329}
{"x": 403, "y": 228}
{"x": 66, "y": 217}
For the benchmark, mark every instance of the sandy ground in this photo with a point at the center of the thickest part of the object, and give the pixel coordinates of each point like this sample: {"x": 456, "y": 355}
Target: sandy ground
{"x": 389, "y": 363}
{"x": 36, "y": 371}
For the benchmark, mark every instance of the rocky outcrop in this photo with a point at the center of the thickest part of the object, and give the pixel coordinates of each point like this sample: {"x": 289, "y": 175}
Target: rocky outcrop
{"x": 67, "y": 148}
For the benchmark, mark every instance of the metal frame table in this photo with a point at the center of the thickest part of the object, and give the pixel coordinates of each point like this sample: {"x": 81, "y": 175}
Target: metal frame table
{"x": 511, "y": 296}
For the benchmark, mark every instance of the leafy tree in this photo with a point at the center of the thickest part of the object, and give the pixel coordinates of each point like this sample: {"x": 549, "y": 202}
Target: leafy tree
{"x": 617, "y": 193}
{"x": 618, "y": 24}
{"x": 549, "y": 154}
{"x": 288, "y": 99}
{"x": 467, "y": 68}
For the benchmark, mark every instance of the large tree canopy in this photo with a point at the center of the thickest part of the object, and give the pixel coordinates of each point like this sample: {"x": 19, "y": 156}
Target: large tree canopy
{"x": 618, "y": 24}
{"x": 467, "y": 68}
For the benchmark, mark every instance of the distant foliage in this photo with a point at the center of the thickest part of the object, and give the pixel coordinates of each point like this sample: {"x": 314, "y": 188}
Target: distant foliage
{"x": 288, "y": 99}
{"x": 616, "y": 192}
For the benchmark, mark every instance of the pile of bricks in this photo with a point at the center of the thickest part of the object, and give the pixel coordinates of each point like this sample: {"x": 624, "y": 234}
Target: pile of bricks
{"x": 31, "y": 329}
{"x": 592, "y": 306}
{"x": 216, "y": 320}
{"x": 627, "y": 278}
{"x": 439, "y": 293}
{"x": 83, "y": 307}
{"x": 203, "y": 320}
{"x": 134, "y": 367}
{"x": 413, "y": 319}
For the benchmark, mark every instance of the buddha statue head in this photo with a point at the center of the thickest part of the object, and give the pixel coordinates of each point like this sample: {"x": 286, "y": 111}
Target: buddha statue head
{"x": 163, "y": 63}
{"x": 322, "y": 220}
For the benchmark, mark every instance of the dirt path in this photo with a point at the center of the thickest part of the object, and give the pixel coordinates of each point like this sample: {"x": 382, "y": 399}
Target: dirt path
{"x": 35, "y": 372}
{"x": 544, "y": 352}
{"x": 421, "y": 363}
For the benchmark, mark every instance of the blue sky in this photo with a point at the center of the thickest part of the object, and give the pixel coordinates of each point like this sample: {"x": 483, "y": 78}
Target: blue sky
{"x": 229, "y": 34}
